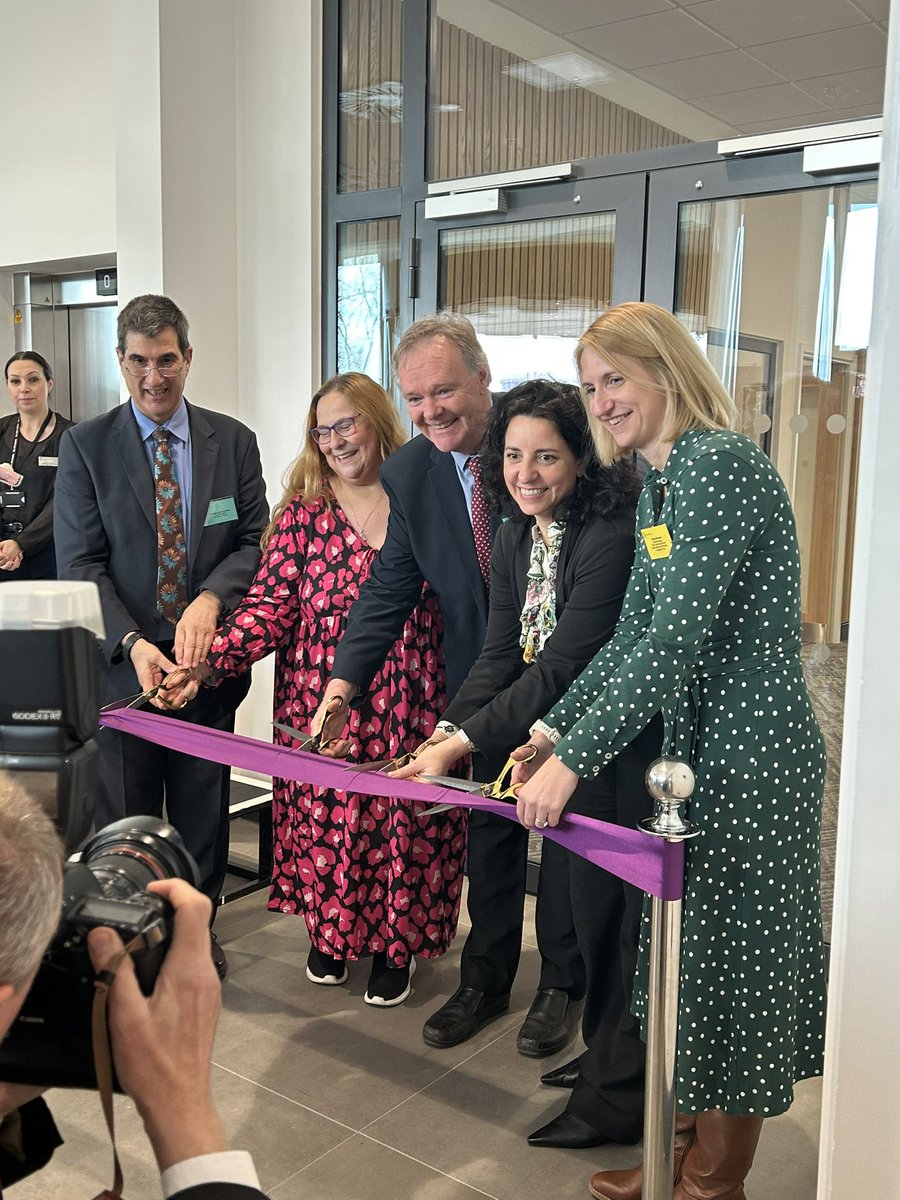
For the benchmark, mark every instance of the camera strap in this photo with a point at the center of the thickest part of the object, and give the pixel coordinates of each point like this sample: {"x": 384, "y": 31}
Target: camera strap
{"x": 103, "y": 1065}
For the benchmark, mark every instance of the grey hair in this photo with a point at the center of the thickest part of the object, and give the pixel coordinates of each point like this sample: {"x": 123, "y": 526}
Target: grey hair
{"x": 448, "y": 324}
{"x": 31, "y": 857}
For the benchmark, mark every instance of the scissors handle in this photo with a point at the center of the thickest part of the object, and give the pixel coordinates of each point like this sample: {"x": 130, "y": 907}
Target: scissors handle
{"x": 498, "y": 790}
{"x": 335, "y": 704}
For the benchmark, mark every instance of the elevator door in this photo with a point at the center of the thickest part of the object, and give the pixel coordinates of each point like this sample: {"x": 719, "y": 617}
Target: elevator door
{"x": 77, "y": 336}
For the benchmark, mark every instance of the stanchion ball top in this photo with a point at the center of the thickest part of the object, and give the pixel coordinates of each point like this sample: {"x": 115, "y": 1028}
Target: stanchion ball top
{"x": 669, "y": 778}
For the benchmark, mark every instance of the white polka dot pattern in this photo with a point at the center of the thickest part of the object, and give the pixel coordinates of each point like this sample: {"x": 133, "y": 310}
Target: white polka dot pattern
{"x": 712, "y": 635}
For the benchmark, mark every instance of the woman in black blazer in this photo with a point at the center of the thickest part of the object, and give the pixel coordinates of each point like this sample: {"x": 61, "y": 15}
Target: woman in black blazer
{"x": 559, "y": 568}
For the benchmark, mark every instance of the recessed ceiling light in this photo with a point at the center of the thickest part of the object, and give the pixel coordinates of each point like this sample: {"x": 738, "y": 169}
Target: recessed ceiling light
{"x": 559, "y": 70}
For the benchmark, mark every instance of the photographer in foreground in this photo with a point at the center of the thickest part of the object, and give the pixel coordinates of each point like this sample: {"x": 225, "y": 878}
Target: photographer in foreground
{"x": 162, "y": 1044}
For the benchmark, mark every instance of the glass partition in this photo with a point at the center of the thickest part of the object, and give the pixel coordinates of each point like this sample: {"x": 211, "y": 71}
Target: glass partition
{"x": 530, "y": 288}
{"x": 370, "y": 101}
{"x": 368, "y": 275}
{"x": 505, "y": 95}
{"x": 778, "y": 290}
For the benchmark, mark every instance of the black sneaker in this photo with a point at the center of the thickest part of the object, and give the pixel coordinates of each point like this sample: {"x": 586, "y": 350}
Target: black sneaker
{"x": 389, "y": 986}
{"x": 329, "y": 972}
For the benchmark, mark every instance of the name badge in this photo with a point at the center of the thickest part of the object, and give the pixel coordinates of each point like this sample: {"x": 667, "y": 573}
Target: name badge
{"x": 220, "y": 511}
{"x": 658, "y": 541}
{"x": 48, "y": 460}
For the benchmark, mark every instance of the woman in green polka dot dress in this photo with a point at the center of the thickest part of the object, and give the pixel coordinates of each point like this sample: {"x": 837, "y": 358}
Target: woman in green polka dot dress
{"x": 710, "y": 634}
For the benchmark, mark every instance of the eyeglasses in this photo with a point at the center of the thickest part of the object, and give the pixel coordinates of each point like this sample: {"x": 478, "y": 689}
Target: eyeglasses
{"x": 140, "y": 368}
{"x": 321, "y": 434}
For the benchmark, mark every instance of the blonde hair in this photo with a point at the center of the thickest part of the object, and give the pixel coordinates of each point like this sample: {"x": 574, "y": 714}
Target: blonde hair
{"x": 674, "y": 363}
{"x": 308, "y": 476}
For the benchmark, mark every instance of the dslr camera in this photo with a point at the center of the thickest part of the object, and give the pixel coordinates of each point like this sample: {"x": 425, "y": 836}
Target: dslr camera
{"x": 48, "y": 721}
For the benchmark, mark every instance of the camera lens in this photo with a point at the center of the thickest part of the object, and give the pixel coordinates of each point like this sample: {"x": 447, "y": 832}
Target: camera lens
{"x": 127, "y": 855}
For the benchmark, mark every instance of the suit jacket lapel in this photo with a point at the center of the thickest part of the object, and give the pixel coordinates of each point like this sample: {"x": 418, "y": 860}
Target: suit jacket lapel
{"x": 130, "y": 449}
{"x": 566, "y": 550}
{"x": 204, "y": 456}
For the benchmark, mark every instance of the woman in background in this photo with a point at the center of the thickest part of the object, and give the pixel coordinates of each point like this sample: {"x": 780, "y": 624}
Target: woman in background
{"x": 368, "y": 876}
{"x": 29, "y": 449}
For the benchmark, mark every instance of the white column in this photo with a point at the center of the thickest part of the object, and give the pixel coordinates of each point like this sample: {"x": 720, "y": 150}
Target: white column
{"x": 860, "y": 1148}
{"x": 218, "y": 164}
{"x": 278, "y": 287}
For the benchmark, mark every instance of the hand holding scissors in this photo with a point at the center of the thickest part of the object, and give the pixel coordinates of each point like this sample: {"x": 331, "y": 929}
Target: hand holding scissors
{"x": 434, "y": 757}
{"x": 540, "y": 801}
{"x": 499, "y": 789}
{"x": 331, "y": 718}
{"x": 160, "y": 695}
{"x": 317, "y": 743}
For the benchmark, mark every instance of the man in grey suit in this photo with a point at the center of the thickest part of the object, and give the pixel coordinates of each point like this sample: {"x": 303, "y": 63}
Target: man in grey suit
{"x": 106, "y": 531}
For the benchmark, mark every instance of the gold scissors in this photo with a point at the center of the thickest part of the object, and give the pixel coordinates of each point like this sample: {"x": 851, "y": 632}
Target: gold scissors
{"x": 175, "y": 679}
{"x": 312, "y": 743}
{"x": 498, "y": 790}
{"x": 392, "y": 764}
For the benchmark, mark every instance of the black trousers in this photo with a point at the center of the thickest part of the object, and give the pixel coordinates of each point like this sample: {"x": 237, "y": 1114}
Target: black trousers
{"x": 497, "y": 865}
{"x": 138, "y": 778}
{"x": 609, "y": 1094}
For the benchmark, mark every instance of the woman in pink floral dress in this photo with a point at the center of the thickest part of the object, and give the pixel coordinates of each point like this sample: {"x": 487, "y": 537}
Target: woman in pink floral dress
{"x": 368, "y": 876}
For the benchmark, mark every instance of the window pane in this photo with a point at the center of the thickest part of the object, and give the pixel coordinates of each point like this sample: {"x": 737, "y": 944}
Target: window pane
{"x": 530, "y": 289}
{"x": 778, "y": 291}
{"x": 371, "y": 95}
{"x": 492, "y": 109}
{"x": 368, "y": 296}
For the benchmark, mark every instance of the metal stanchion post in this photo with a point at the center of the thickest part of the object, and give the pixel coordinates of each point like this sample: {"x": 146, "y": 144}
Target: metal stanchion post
{"x": 670, "y": 782}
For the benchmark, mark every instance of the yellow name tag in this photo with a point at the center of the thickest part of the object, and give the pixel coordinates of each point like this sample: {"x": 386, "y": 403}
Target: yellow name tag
{"x": 658, "y": 541}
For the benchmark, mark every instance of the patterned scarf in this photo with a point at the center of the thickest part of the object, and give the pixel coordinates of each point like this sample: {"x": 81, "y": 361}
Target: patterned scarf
{"x": 539, "y": 614}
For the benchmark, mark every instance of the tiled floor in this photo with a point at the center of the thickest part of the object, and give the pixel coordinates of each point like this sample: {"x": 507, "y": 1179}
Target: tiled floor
{"x": 340, "y": 1101}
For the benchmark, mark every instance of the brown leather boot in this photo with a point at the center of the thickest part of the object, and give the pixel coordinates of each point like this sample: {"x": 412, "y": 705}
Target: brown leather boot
{"x": 720, "y": 1158}
{"x": 627, "y": 1185}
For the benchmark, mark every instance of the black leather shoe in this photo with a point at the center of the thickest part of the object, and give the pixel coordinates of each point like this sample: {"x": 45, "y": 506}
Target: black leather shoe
{"x": 220, "y": 962}
{"x": 550, "y": 1024}
{"x": 463, "y": 1014}
{"x": 563, "y": 1077}
{"x": 567, "y": 1132}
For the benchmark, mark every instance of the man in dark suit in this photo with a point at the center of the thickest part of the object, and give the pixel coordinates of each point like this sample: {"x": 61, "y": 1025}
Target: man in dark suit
{"x": 443, "y": 374}
{"x": 162, "y": 1045}
{"x": 106, "y": 531}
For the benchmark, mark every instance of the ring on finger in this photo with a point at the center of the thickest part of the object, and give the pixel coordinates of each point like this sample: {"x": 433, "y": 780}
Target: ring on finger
{"x": 540, "y": 824}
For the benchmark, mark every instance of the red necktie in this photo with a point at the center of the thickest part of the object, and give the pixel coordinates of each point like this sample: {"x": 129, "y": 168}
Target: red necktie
{"x": 481, "y": 521}
{"x": 171, "y": 578}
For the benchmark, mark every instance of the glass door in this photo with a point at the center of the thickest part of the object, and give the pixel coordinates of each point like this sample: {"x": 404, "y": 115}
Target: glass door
{"x": 774, "y": 278}
{"x": 532, "y": 278}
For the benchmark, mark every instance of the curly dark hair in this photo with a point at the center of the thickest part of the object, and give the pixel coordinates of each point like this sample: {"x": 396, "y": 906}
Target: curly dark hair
{"x": 601, "y": 491}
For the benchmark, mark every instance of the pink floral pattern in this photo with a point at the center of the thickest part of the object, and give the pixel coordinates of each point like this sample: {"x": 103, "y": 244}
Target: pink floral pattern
{"x": 364, "y": 871}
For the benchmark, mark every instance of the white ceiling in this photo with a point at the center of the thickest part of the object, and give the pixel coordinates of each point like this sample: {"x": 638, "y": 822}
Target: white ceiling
{"x": 716, "y": 67}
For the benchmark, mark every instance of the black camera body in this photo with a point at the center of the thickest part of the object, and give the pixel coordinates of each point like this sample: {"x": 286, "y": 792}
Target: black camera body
{"x": 48, "y": 721}
{"x": 50, "y": 1042}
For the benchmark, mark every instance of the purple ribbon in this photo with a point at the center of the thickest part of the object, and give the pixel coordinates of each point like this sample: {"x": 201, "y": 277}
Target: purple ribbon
{"x": 652, "y": 864}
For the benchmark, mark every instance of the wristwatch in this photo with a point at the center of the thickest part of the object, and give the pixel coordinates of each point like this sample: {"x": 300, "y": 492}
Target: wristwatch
{"x": 127, "y": 643}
